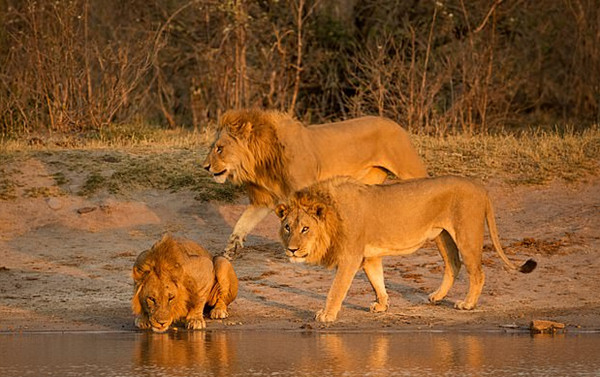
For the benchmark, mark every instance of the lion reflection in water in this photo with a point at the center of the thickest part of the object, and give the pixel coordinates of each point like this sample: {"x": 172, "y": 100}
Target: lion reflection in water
{"x": 176, "y": 281}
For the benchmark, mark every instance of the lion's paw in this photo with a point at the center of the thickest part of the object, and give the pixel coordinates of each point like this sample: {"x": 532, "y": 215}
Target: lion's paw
{"x": 322, "y": 316}
{"x": 218, "y": 313}
{"x": 435, "y": 298}
{"x": 142, "y": 323}
{"x": 234, "y": 244}
{"x": 195, "y": 323}
{"x": 376, "y": 307}
{"x": 463, "y": 305}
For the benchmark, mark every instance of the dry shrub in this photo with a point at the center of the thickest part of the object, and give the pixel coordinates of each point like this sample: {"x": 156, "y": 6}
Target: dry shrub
{"x": 436, "y": 67}
{"x": 475, "y": 66}
{"x": 69, "y": 65}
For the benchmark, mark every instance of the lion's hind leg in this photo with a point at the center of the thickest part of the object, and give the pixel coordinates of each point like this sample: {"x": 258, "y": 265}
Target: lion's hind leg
{"x": 450, "y": 255}
{"x": 374, "y": 270}
{"x": 226, "y": 288}
{"x": 471, "y": 250}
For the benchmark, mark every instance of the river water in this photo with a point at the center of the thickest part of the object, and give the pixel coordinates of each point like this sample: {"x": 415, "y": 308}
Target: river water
{"x": 257, "y": 353}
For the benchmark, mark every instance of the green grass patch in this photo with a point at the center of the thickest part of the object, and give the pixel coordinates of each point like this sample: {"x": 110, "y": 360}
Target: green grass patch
{"x": 171, "y": 161}
{"x": 7, "y": 187}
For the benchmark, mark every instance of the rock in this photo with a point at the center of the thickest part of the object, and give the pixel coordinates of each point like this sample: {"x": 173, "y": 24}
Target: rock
{"x": 83, "y": 210}
{"x": 54, "y": 203}
{"x": 541, "y": 326}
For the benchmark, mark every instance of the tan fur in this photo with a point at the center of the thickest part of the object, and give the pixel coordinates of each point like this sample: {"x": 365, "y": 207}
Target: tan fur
{"x": 175, "y": 280}
{"x": 345, "y": 224}
{"x": 273, "y": 155}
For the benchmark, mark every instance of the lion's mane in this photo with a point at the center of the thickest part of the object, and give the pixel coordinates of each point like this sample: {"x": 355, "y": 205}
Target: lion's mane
{"x": 162, "y": 263}
{"x": 316, "y": 201}
{"x": 263, "y": 159}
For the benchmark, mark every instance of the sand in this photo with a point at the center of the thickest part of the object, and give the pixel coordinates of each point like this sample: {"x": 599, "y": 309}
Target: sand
{"x": 65, "y": 264}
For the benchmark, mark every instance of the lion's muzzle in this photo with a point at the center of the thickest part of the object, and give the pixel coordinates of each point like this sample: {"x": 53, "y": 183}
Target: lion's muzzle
{"x": 160, "y": 326}
{"x": 296, "y": 255}
{"x": 220, "y": 176}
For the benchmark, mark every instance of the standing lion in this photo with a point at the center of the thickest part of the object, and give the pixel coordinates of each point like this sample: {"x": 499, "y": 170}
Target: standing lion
{"x": 273, "y": 155}
{"x": 175, "y": 281}
{"x": 345, "y": 224}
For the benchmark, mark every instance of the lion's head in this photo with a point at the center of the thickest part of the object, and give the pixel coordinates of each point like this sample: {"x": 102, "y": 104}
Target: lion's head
{"x": 160, "y": 297}
{"x": 247, "y": 150}
{"x": 310, "y": 227}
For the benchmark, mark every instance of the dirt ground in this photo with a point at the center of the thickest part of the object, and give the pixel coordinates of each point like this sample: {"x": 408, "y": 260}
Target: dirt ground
{"x": 65, "y": 263}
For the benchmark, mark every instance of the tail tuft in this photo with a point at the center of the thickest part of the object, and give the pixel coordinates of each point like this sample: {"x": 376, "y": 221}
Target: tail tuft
{"x": 528, "y": 266}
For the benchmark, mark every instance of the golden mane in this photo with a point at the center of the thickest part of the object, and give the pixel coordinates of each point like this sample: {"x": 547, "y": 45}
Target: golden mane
{"x": 264, "y": 164}
{"x": 163, "y": 262}
{"x": 316, "y": 201}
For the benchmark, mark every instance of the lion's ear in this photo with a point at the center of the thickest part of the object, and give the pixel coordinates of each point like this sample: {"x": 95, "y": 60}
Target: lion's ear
{"x": 139, "y": 272}
{"x": 241, "y": 130}
{"x": 136, "y": 305}
{"x": 319, "y": 209}
{"x": 281, "y": 211}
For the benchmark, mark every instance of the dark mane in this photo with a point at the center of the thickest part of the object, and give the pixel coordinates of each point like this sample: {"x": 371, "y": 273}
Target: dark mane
{"x": 264, "y": 168}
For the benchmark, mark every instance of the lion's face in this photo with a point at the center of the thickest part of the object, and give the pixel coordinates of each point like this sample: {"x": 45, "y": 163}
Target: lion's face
{"x": 225, "y": 158}
{"x": 301, "y": 232}
{"x": 161, "y": 300}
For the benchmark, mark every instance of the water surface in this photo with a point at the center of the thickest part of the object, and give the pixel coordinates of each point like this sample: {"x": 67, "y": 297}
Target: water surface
{"x": 254, "y": 353}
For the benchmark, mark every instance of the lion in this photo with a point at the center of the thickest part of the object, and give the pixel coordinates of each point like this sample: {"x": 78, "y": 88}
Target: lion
{"x": 345, "y": 224}
{"x": 176, "y": 280}
{"x": 273, "y": 155}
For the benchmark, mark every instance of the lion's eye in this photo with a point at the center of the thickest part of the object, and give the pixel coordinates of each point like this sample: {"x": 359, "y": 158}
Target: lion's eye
{"x": 287, "y": 228}
{"x": 219, "y": 149}
{"x": 171, "y": 297}
{"x": 305, "y": 229}
{"x": 151, "y": 300}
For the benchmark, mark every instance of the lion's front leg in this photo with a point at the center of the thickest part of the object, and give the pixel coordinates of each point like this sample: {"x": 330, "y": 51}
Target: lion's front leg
{"x": 195, "y": 317}
{"x": 341, "y": 283}
{"x": 373, "y": 268}
{"x": 142, "y": 322}
{"x": 249, "y": 219}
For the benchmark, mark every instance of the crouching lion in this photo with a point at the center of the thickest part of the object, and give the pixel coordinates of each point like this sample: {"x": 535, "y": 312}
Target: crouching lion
{"x": 345, "y": 224}
{"x": 273, "y": 155}
{"x": 175, "y": 281}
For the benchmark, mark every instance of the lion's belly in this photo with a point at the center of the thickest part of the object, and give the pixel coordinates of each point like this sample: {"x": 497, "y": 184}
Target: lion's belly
{"x": 403, "y": 247}
{"x": 375, "y": 251}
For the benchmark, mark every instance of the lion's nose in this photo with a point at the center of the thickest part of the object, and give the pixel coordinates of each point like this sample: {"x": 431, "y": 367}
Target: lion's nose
{"x": 161, "y": 323}
{"x": 206, "y": 167}
{"x": 292, "y": 250}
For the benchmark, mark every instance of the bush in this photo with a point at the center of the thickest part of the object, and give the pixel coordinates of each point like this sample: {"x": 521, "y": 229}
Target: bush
{"x": 443, "y": 66}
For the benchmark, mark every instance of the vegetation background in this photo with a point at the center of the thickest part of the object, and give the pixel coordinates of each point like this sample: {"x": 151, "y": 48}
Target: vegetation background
{"x": 107, "y": 109}
{"x": 436, "y": 67}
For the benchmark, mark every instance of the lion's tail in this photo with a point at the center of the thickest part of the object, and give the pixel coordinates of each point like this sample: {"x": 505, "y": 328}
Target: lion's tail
{"x": 528, "y": 266}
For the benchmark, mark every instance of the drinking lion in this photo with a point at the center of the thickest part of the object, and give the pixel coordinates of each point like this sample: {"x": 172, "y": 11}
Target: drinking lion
{"x": 175, "y": 281}
{"x": 345, "y": 224}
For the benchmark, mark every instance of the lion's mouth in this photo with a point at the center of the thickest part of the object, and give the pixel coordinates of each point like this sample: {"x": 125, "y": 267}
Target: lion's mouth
{"x": 297, "y": 257}
{"x": 160, "y": 328}
{"x": 221, "y": 176}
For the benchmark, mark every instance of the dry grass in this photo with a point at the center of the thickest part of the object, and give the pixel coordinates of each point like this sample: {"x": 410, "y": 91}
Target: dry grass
{"x": 121, "y": 163}
{"x": 530, "y": 158}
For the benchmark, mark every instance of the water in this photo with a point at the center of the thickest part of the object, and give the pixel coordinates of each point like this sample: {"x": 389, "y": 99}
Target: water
{"x": 254, "y": 353}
